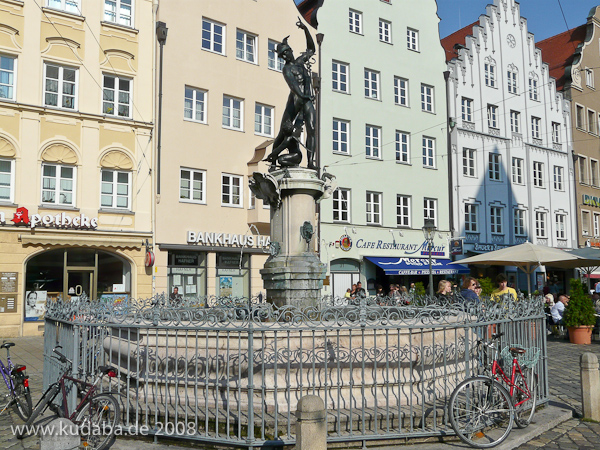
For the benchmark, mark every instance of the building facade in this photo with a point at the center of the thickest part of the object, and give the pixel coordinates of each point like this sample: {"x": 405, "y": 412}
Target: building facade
{"x": 75, "y": 154}
{"x": 511, "y": 146}
{"x": 383, "y": 135}
{"x": 223, "y": 95}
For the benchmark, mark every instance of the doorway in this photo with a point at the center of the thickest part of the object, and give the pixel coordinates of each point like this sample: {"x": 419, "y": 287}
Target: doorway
{"x": 80, "y": 282}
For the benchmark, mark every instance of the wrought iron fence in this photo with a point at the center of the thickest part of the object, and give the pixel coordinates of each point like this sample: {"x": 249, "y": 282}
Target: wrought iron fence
{"x": 231, "y": 371}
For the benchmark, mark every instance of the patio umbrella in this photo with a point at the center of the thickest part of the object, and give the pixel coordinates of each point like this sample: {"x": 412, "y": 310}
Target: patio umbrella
{"x": 592, "y": 257}
{"x": 527, "y": 257}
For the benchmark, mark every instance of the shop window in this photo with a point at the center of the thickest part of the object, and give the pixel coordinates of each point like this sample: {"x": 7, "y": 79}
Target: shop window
{"x": 233, "y": 275}
{"x": 187, "y": 272}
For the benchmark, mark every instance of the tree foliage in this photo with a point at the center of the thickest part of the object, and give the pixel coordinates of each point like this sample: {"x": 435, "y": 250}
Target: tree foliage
{"x": 580, "y": 310}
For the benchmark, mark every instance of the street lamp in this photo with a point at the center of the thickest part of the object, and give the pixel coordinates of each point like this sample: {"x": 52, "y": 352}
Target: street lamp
{"x": 429, "y": 230}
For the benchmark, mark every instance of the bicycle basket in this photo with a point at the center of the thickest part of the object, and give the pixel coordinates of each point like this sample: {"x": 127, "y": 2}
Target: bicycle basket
{"x": 527, "y": 359}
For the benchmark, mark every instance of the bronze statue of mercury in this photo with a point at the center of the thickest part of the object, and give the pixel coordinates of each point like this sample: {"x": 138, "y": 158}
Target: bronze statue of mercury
{"x": 300, "y": 104}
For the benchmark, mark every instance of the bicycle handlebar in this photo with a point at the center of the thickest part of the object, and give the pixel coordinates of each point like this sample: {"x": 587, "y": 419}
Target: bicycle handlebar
{"x": 62, "y": 358}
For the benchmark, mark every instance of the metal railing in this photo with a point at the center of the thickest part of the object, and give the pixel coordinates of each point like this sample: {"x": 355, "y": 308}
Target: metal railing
{"x": 232, "y": 371}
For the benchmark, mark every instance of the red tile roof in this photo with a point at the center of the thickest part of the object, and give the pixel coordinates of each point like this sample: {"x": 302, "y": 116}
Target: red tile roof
{"x": 558, "y": 52}
{"x": 458, "y": 37}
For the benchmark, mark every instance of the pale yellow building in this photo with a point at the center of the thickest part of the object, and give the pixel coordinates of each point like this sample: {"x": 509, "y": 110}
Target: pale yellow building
{"x": 76, "y": 154}
{"x": 223, "y": 98}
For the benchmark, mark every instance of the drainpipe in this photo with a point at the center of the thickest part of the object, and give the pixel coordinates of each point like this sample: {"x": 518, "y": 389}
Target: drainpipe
{"x": 153, "y": 158}
{"x": 161, "y": 35}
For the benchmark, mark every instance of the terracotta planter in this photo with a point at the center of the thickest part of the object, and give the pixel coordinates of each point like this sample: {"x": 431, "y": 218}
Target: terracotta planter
{"x": 580, "y": 335}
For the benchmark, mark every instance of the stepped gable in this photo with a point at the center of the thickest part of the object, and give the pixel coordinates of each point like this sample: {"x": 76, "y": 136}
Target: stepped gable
{"x": 559, "y": 52}
{"x": 458, "y": 37}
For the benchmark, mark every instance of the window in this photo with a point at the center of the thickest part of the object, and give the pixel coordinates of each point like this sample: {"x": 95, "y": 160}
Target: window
{"x": 192, "y": 186}
{"x": 339, "y": 76}
{"x": 592, "y": 123}
{"x": 494, "y": 167}
{"x": 385, "y": 31}
{"x": 533, "y": 89}
{"x": 403, "y": 210}
{"x": 467, "y": 109}
{"x": 71, "y": 6}
{"x": 585, "y": 222}
{"x": 427, "y": 98}
{"x": 233, "y": 111}
{"x": 496, "y": 220}
{"x": 274, "y": 61}
{"x": 535, "y": 127}
{"x": 7, "y": 77}
{"x": 118, "y": 11}
{"x": 596, "y": 224}
{"x": 490, "y": 74}
{"x": 372, "y": 142}
{"x": 7, "y": 180}
{"x": 492, "y": 112}
{"x": 194, "y": 106}
{"x": 583, "y": 173}
{"x": 561, "y": 225}
{"x": 373, "y": 208}
{"x": 593, "y": 172}
{"x": 341, "y": 205}
{"x": 402, "y": 147}
{"x": 213, "y": 36}
{"x": 471, "y": 218}
{"x": 371, "y": 84}
{"x": 263, "y": 120}
{"x": 469, "y": 162}
{"x": 115, "y": 189}
{"x": 512, "y": 82}
{"x": 412, "y": 39}
{"x": 231, "y": 191}
{"x": 558, "y": 178}
{"x": 430, "y": 209}
{"x": 579, "y": 117}
{"x": 341, "y": 132}
{"x": 538, "y": 174}
{"x": 400, "y": 91}
{"x": 116, "y": 96}
{"x": 355, "y": 24}
{"x": 519, "y": 222}
{"x": 555, "y": 133}
{"x": 60, "y": 86}
{"x": 517, "y": 170}
{"x": 515, "y": 121}
{"x": 589, "y": 77}
{"x": 245, "y": 46}
{"x": 540, "y": 224}
{"x": 428, "y": 152}
{"x": 58, "y": 184}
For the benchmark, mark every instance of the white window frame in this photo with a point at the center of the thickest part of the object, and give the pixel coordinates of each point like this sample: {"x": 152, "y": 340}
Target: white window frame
{"x": 541, "y": 228}
{"x": 263, "y": 120}
{"x": 11, "y": 181}
{"x": 490, "y": 74}
{"x": 517, "y": 170}
{"x": 114, "y": 195}
{"x": 70, "y": 6}
{"x": 492, "y": 114}
{"x": 60, "y": 91}
{"x": 494, "y": 164}
{"x": 355, "y": 21}
{"x": 274, "y": 61}
{"x": 231, "y": 116}
{"x": 340, "y": 136}
{"x": 471, "y": 222}
{"x": 341, "y": 205}
{"x": 515, "y": 121}
{"x": 403, "y": 211}
{"x": 467, "y": 109}
{"x": 371, "y": 79}
{"x": 373, "y": 141}
{"x": 57, "y": 186}
{"x": 228, "y": 181}
{"x": 593, "y": 172}
{"x": 519, "y": 222}
{"x": 512, "y": 77}
{"x": 385, "y": 31}
{"x": 589, "y": 77}
{"x": 430, "y": 209}
{"x": 192, "y": 189}
{"x": 583, "y": 170}
{"x": 468, "y": 157}
{"x": 194, "y": 104}
{"x": 596, "y": 224}
{"x": 560, "y": 225}
{"x": 538, "y": 174}
{"x": 585, "y": 222}
{"x": 373, "y": 208}
{"x": 119, "y": 13}
{"x": 401, "y": 91}
{"x": 580, "y": 117}
{"x": 412, "y": 39}
{"x": 592, "y": 121}
{"x": 556, "y": 133}
{"x": 402, "y": 147}
{"x": 116, "y": 90}
{"x": 534, "y": 93}
{"x": 212, "y": 31}
{"x": 9, "y": 86}
{"x": 558, "y": 178}
{"x": 496, "y": 226}
{"x": 246, "y": 46}
{"x": 536, "y": 127}
{"x": 340, "y": 77}
{"x": 427, "y": 98}
{"x": 428, "y": 151}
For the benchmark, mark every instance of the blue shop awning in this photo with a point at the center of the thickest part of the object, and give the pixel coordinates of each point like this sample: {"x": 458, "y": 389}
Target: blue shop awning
{"x": 417, "y": 266}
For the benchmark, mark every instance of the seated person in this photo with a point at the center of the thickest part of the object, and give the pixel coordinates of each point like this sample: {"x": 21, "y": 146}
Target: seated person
{"x": 558, "y": 310}
{"x": 503, "y": 288}
{"x": 468, "y": 290}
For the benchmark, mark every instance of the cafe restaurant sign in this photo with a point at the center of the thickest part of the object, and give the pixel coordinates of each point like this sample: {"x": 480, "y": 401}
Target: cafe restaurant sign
{"x": 21, "y": 217}
{"x": 228, "y": 239}
{"x": 408, "y": 249}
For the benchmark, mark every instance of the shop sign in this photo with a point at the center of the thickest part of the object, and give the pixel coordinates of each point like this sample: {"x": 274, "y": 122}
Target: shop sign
{"x": 456, "y": 247}
{"x": 477, "y": 247}
{"x": 227, "y": 239}
{"x": 591, "y": 200}
{"x": 61, "y": 220}
{"x": 408, "y": 249}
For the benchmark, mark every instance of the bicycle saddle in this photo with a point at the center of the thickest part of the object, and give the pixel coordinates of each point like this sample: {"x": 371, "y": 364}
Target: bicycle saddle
{"x": 106, "y": 369}
{"x": 517, "y": 351}
{"x": 7, "y": 345}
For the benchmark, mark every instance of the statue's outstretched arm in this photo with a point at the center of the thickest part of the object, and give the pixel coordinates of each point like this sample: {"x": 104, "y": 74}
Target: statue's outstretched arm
{"x": 310, "y": 43}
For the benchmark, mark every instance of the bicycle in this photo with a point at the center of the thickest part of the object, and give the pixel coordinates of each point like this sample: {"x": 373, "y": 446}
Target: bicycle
{"x": 96, "y": 414}
{"x": 17, "y": 383}
{"x": 482, "y": 410}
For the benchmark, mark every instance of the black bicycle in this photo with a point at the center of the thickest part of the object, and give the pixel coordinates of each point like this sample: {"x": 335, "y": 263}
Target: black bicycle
{"x": 97, "y": 415}
{"x": 17, "y": 384}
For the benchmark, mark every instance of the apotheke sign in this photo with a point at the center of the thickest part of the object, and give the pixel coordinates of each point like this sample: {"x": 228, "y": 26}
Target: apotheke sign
{"x": 61, "y": 220}
{"x": 227, "y": 239}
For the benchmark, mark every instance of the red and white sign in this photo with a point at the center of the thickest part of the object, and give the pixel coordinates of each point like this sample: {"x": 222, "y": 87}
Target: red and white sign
{"x": 61, "y": 220}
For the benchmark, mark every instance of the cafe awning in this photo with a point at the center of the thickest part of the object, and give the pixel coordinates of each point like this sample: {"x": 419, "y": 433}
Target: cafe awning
{"x": 417, "y": 266}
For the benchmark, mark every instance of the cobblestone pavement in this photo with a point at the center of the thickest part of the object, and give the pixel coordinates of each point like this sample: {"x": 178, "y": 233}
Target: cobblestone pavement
{"x": 564, "y": 383}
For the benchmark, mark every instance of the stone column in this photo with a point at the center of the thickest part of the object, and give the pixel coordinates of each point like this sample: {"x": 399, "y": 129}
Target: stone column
{"x": 590, "y": 386}
{"x": 311, "y": 424}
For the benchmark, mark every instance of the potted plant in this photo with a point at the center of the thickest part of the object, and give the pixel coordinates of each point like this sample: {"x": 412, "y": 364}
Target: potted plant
{"x": 579, "y": 315}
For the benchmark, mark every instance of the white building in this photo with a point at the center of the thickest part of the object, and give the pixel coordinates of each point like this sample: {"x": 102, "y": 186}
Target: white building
{"x": 511, "y": 165}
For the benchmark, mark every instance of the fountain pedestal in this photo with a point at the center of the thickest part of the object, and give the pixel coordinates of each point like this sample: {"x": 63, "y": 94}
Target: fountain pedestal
{"x": 293, "y": 274}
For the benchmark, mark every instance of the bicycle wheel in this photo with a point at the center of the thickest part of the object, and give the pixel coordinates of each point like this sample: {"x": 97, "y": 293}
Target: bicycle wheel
{"x": 42, "y": 404}
{"x": 97, "y": 420}
{"x": 481, "y": 412}
{"x": 22, "y": 398}
{"x": 525, "y": 411}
